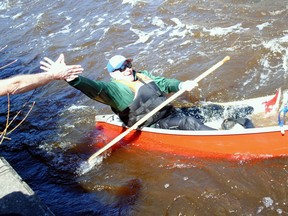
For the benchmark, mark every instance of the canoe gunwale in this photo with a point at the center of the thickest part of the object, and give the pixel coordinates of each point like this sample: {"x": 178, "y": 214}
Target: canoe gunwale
{"x": 114, "y": 120}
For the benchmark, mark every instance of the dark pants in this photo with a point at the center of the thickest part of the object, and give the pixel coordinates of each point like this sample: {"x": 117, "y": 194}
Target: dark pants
{"x": 178, "y": 121}
{"x": 194, "y": 118}
{"x": 182, "y": 123}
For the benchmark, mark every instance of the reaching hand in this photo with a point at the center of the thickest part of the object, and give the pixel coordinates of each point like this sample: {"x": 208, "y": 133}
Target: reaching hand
{"x": 60, "y": 70}
{"x": 188, "y": 85}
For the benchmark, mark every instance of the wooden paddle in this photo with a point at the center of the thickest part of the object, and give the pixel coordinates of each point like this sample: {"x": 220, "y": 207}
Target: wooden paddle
{"x": 155, "y": 110}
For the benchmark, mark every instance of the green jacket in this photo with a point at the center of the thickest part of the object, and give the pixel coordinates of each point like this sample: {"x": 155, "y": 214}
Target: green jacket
{"x": 116, "y": 94}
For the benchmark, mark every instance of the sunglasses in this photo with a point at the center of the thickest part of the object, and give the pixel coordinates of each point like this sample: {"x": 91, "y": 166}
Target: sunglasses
{"x": 127, "y": 64}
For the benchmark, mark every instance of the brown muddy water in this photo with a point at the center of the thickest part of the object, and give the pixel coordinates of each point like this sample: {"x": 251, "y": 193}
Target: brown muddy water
{"x": 178, "y": 39}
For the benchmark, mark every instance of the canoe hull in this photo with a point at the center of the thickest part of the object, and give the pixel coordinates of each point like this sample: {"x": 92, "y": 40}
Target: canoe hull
{"x": 248, "y": 143}
{"x": 260, "y": 142}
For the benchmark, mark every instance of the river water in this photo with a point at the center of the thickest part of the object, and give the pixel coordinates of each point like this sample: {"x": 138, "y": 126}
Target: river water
{"x": 177, "y": 39}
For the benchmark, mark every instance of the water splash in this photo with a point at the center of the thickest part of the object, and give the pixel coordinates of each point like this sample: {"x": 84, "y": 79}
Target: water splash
{"x": 267, "y": 201}
{"x": 4, "y": 5}
{"x": 263, "y": 25}
{"x": 220, "y": 31}
{"x": 134, "y": 2}
{"x": 278, "y": 46}
{"x": 86, "y": 166}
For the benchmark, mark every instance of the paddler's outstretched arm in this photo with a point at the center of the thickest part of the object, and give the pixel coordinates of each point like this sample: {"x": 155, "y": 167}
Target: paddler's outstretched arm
{"x": 57, "y": 70}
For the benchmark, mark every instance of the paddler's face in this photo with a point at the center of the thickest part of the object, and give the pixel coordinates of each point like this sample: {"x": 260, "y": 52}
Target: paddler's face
{"x": 125, "y": 72}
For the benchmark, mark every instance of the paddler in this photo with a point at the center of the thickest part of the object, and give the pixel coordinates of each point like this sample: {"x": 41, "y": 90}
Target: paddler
{"x": 132, "y": 94}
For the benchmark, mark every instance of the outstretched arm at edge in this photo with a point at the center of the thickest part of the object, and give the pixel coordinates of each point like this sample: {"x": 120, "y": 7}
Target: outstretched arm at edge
{"x": 57, "y": 70}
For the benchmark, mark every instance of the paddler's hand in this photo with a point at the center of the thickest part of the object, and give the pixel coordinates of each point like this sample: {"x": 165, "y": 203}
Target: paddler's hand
{"x": 188, "y": 85}
{"x": 59, "y": 70}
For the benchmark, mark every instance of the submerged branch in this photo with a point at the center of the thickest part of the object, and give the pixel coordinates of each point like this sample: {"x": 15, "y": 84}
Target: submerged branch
{"x": 8, "y": 124}
{"x": 8, "y": 64}
{"x": 7, "y": 120}
{"x": 3, "y": 48}
{"x": 23, "y": 118}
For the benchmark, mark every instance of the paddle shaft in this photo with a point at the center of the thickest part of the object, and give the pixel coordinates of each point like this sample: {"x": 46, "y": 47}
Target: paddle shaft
{"x": 155, "y": 110}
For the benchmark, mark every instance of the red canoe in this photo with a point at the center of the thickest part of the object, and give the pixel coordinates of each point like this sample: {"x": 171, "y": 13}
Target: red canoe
{"x": 259, "y": 142}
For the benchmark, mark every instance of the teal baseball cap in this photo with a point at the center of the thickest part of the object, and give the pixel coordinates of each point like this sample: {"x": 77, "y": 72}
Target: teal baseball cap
{"x": 116, "y": 62}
